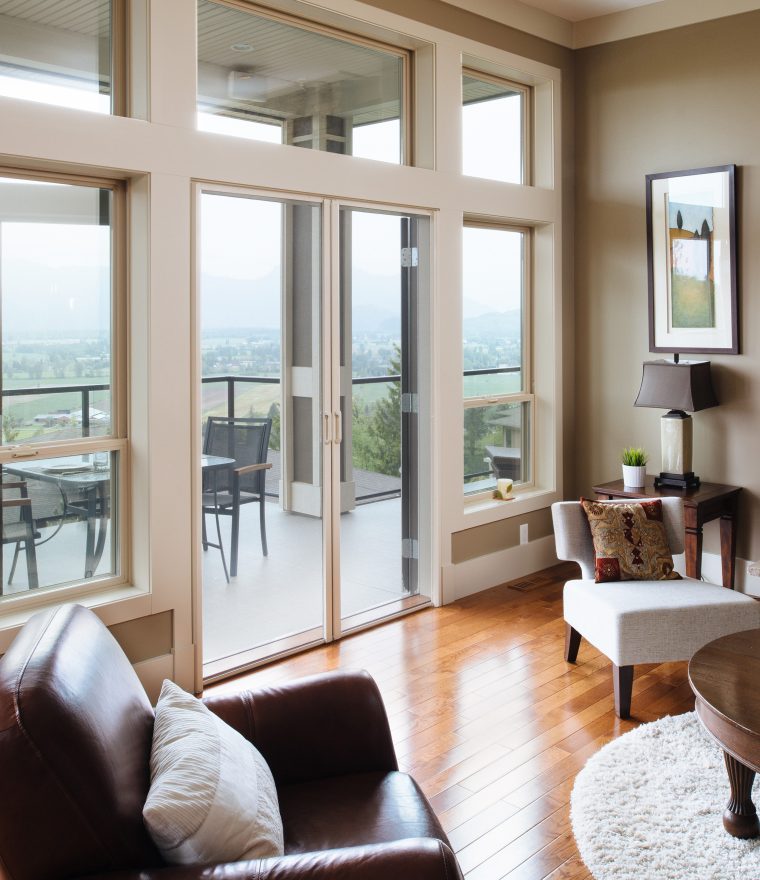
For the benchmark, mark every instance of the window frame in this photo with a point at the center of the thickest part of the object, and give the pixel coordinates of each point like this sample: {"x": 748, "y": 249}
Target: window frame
{"x": 117, "y": 64}
{"x": 117, "y": 440}
{"x": 526, "y": 119}
{"x": 161, "y": 47}
{"x": 406, "y": 143}
{"x": 526, "y": 395}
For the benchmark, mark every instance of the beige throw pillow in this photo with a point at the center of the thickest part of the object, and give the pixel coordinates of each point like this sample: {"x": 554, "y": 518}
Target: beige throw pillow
{"x": 212, "y": 797}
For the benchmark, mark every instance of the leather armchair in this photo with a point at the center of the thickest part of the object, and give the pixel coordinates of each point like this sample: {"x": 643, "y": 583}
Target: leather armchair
{"x": 75, "y": 737}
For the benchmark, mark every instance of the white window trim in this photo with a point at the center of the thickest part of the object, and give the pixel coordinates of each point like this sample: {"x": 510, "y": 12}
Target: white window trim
{"x": 23, "y": 604}
{"x": 163, "y": 153}
{"x": 525, "y": 395}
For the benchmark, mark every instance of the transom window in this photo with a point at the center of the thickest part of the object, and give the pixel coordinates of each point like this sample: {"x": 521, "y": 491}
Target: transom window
{"x": 494, "y": 128}
{"x": 269, "y": 79}
{"x": 59, "y": 53}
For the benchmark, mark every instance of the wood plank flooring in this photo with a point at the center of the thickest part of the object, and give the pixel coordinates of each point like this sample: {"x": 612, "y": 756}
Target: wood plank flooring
{"x": 491, "y": 721}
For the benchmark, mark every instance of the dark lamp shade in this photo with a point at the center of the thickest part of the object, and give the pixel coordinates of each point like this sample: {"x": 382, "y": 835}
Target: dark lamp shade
{"x": 686, "y": 386}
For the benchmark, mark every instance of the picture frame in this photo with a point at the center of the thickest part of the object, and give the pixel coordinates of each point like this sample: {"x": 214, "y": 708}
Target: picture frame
{"x": 691, "y": 257}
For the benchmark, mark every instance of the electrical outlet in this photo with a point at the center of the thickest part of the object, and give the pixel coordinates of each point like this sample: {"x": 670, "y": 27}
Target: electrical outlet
{"x": 524, "y": 533}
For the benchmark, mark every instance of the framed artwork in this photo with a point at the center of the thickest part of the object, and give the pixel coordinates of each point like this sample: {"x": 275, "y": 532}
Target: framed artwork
{"x": 691, "y": 252}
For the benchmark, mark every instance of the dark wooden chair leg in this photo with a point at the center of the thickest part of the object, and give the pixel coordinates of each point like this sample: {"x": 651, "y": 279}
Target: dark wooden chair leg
{"x": 622, "y": 682}
{"x": 572, "y": 643}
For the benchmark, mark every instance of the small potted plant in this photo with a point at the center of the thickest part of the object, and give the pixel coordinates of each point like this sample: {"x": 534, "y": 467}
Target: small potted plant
{"x": 634, "y": 460}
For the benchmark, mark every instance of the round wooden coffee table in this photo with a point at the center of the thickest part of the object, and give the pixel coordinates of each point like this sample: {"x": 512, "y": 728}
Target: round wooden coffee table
{"x": 724, "y": 676}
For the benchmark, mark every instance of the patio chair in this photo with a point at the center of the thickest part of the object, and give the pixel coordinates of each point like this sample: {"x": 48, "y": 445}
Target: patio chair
{"x": 48, "y": 512}
{"x": 18, "y": 528}
{"x": 225, "y": 490}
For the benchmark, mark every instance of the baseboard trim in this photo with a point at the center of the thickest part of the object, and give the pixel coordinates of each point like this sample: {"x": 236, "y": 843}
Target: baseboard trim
{"x": 484, "y": 572}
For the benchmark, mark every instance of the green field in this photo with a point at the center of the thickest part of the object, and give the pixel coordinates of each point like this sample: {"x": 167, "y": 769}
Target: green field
{"x": 19, "y": 412}
{"x": 250, "y": 400}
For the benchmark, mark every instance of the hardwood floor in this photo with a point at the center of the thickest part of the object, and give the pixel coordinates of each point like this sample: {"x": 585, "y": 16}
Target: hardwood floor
{"x": 492, "y": 722}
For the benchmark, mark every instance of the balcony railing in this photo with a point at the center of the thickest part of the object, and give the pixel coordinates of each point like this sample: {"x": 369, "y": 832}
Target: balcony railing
{"x": 362, "y": 380}
{"x": 86, "y": 391}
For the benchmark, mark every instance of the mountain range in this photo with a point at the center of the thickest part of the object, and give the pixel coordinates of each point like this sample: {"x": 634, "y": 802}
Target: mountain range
{"x": 40, "y": 302}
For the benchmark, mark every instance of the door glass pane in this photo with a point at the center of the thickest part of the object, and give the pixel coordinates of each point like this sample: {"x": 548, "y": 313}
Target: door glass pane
{"x": 260, "y": 291}
{"x": 493, "y": 302}
{"x": 378, "y": 527}
{"x": 56, "y": 290}
{"x": 275, "y": 81}
{"x": 60, "y": 519}
{"x": 57, "y": 53}
{"x": 493, "y": 130}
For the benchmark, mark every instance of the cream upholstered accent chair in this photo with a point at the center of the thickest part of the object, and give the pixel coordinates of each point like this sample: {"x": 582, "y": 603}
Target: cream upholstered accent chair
{"x": 635, "y": 622}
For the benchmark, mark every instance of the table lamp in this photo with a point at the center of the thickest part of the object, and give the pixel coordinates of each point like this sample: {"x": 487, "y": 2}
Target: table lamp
{"x": 680, "y": 388}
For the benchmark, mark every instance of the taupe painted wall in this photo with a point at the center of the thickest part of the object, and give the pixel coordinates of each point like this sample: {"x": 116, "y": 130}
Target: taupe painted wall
{"x": 145, "y": 637}
{"x": 684, "y": 98}
{"x": 499, "y": 535}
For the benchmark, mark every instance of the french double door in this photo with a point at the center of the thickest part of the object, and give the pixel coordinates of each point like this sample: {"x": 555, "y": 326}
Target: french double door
{"x": 310, "y": 314}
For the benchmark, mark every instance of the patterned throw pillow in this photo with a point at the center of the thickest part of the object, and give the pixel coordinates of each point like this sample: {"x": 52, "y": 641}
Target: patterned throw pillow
{"x": 630, "y": 541}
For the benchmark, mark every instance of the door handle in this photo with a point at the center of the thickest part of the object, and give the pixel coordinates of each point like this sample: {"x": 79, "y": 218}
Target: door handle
{"x": 29, "y": 453}
{"x": 338, "y": 427}
{"x": 325, "y": 428}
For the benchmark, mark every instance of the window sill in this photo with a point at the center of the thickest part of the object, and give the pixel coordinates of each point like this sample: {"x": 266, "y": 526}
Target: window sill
{"x": 480, "y": 511}
{"x": 112, "y": 603}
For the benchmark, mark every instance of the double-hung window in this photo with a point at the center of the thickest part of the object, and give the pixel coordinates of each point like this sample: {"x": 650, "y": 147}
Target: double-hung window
{"x": 498, "y": 398}
{"x": 63, "y": 449}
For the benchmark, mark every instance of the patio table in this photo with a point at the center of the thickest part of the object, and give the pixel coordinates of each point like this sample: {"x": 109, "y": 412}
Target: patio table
{"x": 89, "y": 489}
{"x": 92, "y": 485}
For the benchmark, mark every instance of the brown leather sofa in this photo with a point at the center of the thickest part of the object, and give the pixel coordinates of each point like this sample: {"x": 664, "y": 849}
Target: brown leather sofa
{"x": 75, "y": 737}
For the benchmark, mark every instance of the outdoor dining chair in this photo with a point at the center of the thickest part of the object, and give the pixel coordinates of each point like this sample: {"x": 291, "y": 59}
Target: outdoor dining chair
{"x": 18, "y": 528}
{"x": 225, "y": 490}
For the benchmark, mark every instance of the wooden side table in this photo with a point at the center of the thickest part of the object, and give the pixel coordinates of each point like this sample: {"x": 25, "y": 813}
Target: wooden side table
{"x": 710, "y": 501}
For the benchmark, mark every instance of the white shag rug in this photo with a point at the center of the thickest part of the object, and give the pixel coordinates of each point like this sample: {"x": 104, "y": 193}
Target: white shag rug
{"x": 649, "y": 806}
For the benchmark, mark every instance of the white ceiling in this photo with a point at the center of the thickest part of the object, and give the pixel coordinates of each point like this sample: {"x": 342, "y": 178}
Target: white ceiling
{"x": 580, "y": 23}
{"x": 578, "y": 10}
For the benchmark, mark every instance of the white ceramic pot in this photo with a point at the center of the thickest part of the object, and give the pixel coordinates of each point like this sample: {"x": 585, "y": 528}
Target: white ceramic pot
{"x": 634, "y": 476}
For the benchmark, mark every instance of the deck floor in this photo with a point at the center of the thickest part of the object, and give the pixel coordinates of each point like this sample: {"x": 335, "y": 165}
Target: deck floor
{"x": 281, "y": 594}
{"x": 272, "y": 597}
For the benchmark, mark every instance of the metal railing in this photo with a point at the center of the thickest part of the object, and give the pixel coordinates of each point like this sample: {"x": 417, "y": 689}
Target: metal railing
{"x": 83, "y": 390}
{"x": 362, "y": 380}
